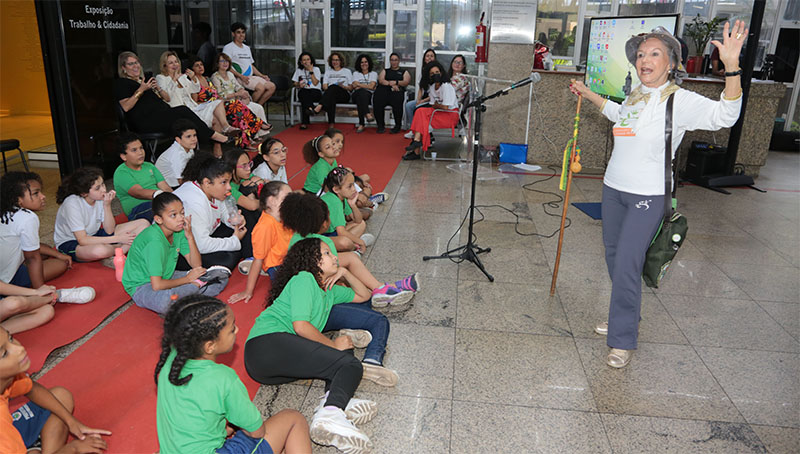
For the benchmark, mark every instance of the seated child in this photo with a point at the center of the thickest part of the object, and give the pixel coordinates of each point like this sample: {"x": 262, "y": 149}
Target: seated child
{"x": 270, "y": 239}
{"x": 286, "y": 342}
{"x": 173, "y": 160}
{"x": 366, "y": 201}
{"x": 270, "y": 162}
{"x": 321, "y": 154}
{"x": 244, "y": 191}
{"x": 149, "y": 276}
{"x": 85, "y": 207}
{"x": 48, "y": 415}
{"x": 137, "y": 182}
{"x": 340, "y": 196}
{"x": 24, "y": 262}
{"x": 306, "y": 215}
{"x": 218, "y": 229}
{"x": 199, "y": 399}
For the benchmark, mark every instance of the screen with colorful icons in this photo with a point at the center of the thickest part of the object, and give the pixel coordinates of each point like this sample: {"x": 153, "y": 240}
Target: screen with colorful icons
{"x": 606, "y": 63}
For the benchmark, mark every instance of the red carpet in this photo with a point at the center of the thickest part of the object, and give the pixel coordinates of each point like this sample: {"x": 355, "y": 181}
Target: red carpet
{"x": 111, "y": 375}
{"x": 72, "y": 321}
{"x": 375, "y": 154}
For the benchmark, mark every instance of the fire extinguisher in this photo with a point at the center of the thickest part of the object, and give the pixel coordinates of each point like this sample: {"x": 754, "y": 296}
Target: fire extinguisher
{"x": 481, "y": 42}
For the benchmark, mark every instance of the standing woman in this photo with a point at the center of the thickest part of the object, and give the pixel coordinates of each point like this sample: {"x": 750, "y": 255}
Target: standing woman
{"x": 229, "y": 88}
{"x": 307, "y": 79}
{"x": 635, "y": 172}
{"x": 144, "y": 102}
{"x": 392, "y": 83}
{"x": 364, "y": 81}
{"x": 336, "y": 87}
{"x": 442, "y": 96}
{"x": 422, "y": 92}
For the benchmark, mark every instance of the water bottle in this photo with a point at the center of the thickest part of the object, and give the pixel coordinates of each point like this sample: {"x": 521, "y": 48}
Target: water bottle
{"x": 119, "y": 263}
{"x": 234, "y": 218}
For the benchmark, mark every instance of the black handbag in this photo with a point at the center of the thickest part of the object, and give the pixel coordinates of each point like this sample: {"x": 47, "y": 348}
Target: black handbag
{"x": 674, "y": 225}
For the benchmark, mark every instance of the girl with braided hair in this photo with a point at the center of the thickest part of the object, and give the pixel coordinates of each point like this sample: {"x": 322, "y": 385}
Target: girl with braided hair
{"x": 199, "y": 400}
{"x": 286, "y": 342}
{"x": 321, "y": 153}
{"x": 340, "y": 196}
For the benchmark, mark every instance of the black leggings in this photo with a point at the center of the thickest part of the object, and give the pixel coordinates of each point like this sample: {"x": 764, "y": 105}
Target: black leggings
{"x": 333, "y": 95}
{"x": 162, "y": 121}
{"x": 277, "y": 358}
{"x": 362, "y": 98}
{"x": 307, "y": 97}
{"x": 228, "y": 259}
{"x": 385, "y": 96}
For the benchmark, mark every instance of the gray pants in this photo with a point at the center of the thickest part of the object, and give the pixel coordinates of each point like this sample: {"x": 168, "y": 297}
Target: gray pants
{"x": 159, "y": 300}
{"x": 629, "y": 223}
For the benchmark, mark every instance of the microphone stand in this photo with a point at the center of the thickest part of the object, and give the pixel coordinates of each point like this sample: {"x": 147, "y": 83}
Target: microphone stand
{"x": 470, "y": 251}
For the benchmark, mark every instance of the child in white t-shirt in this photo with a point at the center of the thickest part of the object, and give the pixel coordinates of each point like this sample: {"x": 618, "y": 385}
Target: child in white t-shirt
{"x": 172, "y": 161}
{"x": 270, "y": 162}
{"x": 85, "y": 208}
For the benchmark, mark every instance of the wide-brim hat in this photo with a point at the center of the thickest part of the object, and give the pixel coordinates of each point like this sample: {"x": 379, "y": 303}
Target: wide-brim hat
{"x": 673, "y": 49}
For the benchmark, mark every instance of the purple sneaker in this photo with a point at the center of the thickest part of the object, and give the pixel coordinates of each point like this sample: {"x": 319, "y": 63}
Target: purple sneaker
{"x": 411, "y": 283}
{"x": 390, "y": 295}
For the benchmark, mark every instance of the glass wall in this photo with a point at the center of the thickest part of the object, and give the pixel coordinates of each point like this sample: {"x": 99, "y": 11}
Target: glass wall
{"x": 450, "y": 24}
{"x": 646, "y": 7}
{"x": 358, "y": 23}
{"x": 557, "y": 25}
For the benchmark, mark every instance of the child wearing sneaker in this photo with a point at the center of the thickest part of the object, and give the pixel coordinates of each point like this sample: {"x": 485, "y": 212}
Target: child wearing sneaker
{"x": 173, "y": 160}
{"x": 200, "y": 400}
{"x": 340, "y": 195}
{"x": 48, "y": 414}
{"x": 85, "y": 208}
{"x": 270, "y": 239}
{"x": 307, "y": 215}
{"x": 149, "y": 276}
{"x": 286, "y": 341}
{"x": 321, "y": 154}
{"x": 137, "y": 182}
{"x": 270, "y": 162}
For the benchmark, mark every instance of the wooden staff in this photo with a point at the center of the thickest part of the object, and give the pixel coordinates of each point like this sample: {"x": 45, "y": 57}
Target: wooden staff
{"x": 566, "y": 196}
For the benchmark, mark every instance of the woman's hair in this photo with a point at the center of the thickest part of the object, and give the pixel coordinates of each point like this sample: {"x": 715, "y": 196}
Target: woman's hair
{"x": 300, "y": 58}
{"x": 342, "y": 61}
{"x": 425, "y": 80}
{"x": 357, "y": 64}
{"x": 270, "y": 189}
{"x": 426, "y": 53}
{"x": 205, "y": 165}
{"x": 78, "y": 183}
{"x": 14, "y": 185}
{"x": 225, "y": 57}
{"x": 191, "y": 60}
{"x": 162, "y": 61}
{"x": 124, "y": 139}
{"x": 463, "y": 71}
{"x": 188, "y": 324}
{"x": 311, "y": 149}
{"x": 161, "y": 201}
{"x": 335, "y": 178}
{"x": 121, "y": 59}
{"x": 305, "y": 255}
{"x": 230, "y": 158}
{"x": 303, "y": 213}
{"x": 264, "y": 150}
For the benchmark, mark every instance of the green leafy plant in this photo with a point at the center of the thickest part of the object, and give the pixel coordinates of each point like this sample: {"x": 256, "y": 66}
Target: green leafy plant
{"x": 700, "y": 32}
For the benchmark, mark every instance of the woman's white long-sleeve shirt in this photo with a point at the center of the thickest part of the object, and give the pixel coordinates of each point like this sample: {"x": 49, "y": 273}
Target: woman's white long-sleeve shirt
{"x": 207, "y": 215}
{"x": 179, "y": 96}
{"x": 637, "y": 161}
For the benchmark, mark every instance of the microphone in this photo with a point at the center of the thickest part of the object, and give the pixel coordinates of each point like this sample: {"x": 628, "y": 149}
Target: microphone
{"x": 533, "y": 78}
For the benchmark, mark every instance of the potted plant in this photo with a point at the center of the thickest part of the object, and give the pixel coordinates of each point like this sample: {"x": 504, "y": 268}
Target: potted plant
{"x": 700, "y": 32}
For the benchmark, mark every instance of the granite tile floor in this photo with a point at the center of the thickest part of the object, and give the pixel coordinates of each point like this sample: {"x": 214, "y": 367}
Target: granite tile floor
{"x": 504, "y": 367}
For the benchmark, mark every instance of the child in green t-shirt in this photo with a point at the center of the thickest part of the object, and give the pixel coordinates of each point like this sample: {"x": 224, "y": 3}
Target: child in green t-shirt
{"x": 149, "y": 276}
{"x": 321, "y": 154}
{"x": 137, "y": 182}
{"x": 340, "y": 196}
{"x": 200, "y": 400}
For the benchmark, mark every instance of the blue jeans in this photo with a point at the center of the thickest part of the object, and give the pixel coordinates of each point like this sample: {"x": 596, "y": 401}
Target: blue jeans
{"x": 143, "y": 210}
{"x": 160, "y": 300}
{"x": 411, "y": 106}
{"x": 362, "y": 316}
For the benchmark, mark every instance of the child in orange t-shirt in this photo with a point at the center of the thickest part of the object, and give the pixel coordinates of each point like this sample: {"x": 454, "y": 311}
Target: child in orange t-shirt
{"x": 48, "y": 415}
{"x": 270, "y": 238}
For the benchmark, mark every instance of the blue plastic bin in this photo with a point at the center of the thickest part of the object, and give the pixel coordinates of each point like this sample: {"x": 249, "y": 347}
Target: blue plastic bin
{"x": 513, "y": 153}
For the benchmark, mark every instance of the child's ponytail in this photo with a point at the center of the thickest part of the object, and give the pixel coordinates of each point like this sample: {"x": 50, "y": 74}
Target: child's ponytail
{"x": 335, "y": 178}
{"x": 188, "y": 324}
{"x": 78, "y": 183}
{"x": 263, "y": 150}
{"x": 311, "y": 150}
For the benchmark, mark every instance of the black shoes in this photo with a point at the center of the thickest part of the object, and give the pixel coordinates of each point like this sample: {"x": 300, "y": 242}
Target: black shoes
{"x": 380, "y": 130}
{"x": 411, "y": 156}
{"x": 395, "y": 130}
{"x": 414, "y": 145}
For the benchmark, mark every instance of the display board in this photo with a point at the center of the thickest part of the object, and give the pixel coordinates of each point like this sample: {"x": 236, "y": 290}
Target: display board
{"x": 606, "y": 63}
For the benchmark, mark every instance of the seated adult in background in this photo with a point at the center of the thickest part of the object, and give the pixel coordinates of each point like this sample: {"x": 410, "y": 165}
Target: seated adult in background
{"x": 363, "y": 80}
{"x": 243, "y": 67}
{"x": 392, "y": 83}
{"x": 137, "y": 182}
{"x": 307, "y": 79}
{"x": 229, "y": 88}
{"x": 335, "y": 86}
{"x": 421, "y": 96}
{"x": 442, "y": 97}
{"x": 458, "y": 67}
{"x": 144, "y": 104}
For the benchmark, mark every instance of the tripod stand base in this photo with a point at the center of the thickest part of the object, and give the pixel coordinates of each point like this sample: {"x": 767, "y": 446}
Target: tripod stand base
{"x": 468, "y": 252}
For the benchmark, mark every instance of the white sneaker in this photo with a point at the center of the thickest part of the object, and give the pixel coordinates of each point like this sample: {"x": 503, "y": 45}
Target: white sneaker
{"x": 368, "y": 239}
{"x": 244, "y": 266}
{"x": 360, "y": 337}
{"x": 330, "y": 427}
{"x": 358, "y": 411}
{"x": 380, "y": 375}
{"x": 76, "y": 295}
{"x": 409, "y": 135}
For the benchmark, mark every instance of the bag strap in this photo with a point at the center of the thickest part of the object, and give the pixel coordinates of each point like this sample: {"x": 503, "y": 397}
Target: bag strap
{"x": 670, "y": 174}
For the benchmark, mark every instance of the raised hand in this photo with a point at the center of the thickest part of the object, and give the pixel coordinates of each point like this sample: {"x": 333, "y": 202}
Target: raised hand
{"x": 109, "y": 196}
{"x": 731, "y": 46}
{"x": 187, "y": 226}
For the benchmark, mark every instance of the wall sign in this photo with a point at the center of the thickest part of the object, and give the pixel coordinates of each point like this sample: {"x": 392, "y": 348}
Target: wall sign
{"x": 513, "y": 22}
